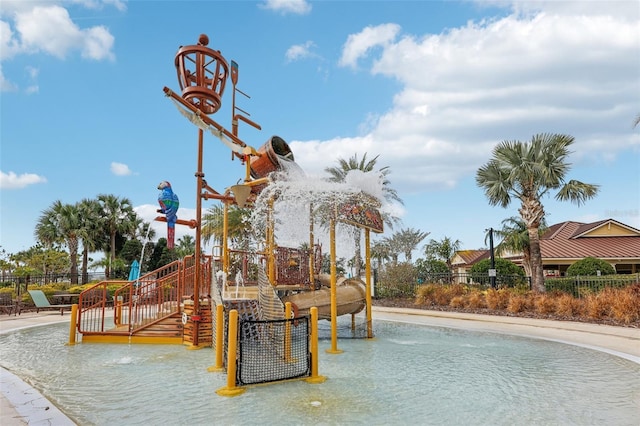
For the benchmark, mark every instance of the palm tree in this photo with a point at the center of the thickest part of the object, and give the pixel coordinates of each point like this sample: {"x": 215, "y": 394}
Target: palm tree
{"x": 91, "y": 233}
{"x": 515, "y": 239}
{"x": 339, "y": 173}
{"x": 61, "y": 223}
{"x": 443, "y": 250}
{"x": 119, "y": 217}
{"x": 238, "y": 225}
{"x": 408, "y": 239}
{"x": 186, "y": 246}
{"x": 380, "y": 251}
{"x": 528, "y": 171}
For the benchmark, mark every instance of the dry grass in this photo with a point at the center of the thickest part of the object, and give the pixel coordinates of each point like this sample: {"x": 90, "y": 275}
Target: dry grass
{"x": 625, "y": 305}
{"x": 544, "y": 304}
{"x": 568, "y": 306}
{"x": 518, "y": 303}
{"x": 497, "y": 299}
{"x": 621, "y": 306}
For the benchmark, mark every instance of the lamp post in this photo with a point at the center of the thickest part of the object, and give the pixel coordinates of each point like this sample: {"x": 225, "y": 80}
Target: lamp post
{"x": 492, "y": 270}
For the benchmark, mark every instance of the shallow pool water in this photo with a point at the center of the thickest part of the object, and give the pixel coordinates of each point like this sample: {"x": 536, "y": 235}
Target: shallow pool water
{"x": 409, "y": 374}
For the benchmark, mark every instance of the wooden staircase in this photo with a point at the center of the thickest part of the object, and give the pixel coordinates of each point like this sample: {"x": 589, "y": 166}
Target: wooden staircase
{"x": 147, "y": 310}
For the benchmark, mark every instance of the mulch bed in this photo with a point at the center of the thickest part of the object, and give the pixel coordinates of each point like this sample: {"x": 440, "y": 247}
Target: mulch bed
{"x": 409, "y": 303}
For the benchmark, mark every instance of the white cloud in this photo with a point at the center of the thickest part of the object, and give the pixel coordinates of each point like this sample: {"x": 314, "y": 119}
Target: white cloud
{"x": 120, "y": 169}
{"x": 13, "y": 181}
{"x": 297, "y": 7}
{"x": 466, "y": 89}
{"x": 357, "y": 45}
{"x": 29, "y": 27}
{"x": 300, "y": 51}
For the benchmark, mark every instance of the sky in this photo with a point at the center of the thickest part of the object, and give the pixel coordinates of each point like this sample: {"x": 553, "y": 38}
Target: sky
{"x": 429, "y": 87}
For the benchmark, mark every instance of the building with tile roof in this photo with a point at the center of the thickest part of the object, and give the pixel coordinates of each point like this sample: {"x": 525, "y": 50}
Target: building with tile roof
{"x": 567, "y": 242}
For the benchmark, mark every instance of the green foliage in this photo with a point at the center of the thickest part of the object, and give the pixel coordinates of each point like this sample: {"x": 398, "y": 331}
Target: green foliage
{"x": 426, "y": 269}
{"x": 397, "y": 281}
{"x": 508, "y": 274}
{"x": 131, "y": 250}
{"x": 326, "y": 265}
{"x": 590, "y": 266}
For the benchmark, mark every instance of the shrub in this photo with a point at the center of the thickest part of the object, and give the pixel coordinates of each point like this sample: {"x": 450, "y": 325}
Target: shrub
{"x": 590, "y": 266}
{"x": 397, "y": 281}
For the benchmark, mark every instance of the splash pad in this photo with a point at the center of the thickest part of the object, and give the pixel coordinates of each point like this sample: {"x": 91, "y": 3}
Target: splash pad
{"x": 258, "y": 297}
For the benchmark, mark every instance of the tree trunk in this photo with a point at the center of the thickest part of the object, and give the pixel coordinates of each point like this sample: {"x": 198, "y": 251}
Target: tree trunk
{"x": 85, "y": 261}
{"x": 537, "y": 275}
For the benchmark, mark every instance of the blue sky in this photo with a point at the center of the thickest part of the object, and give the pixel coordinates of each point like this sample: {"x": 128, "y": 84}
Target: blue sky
{"x": 429, "y": 86}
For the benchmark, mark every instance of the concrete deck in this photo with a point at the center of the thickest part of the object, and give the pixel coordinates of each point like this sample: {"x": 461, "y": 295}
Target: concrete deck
{"x": 20, "y": 404}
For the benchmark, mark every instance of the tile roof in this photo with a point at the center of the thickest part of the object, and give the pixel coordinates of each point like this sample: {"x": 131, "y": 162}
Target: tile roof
{"x": 472, "y": 256}
{"x": 571, "y": 240}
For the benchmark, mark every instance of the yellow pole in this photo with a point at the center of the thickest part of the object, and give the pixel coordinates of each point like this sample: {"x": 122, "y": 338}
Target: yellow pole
{"x": 231, "y": 389}
{"x": 225, "y": 247}
{"x": 367, "y": 257}
{"x": 219, "y": 340}
{"x": 117, "y": 316}
{"x": 287, "y": 332}
{"x": 313, "y": 336}
{"x": 334, "y": 305}
{"x": 72, "y": 324}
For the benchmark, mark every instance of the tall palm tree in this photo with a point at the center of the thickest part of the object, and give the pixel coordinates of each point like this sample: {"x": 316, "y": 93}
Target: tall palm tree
{"x": 443, "y": 250}
{"x": 527, "y": 171}
{"x": 515, "y": 239}
{"x": 61, "y": 223}
{"x": 91, "y": 233}
{"x": 408, "y": 239}
{"x": 118, "y": 217}
{"x": 339, "y": 174}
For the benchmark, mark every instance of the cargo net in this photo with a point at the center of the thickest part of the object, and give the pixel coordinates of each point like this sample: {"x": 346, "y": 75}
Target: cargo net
{"x": 346, "y": 327}
{"x": 265, "y": 354}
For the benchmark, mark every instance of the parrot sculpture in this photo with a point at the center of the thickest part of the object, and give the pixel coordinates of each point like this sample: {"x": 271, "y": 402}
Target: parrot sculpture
{"x": 169, "y": 204}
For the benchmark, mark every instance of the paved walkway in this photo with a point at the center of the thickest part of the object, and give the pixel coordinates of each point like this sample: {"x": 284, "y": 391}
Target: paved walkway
{"x": 20, "y": 404}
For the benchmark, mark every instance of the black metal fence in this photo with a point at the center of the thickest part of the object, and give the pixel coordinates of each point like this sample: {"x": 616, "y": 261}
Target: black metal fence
{"x": 382, "y": 290}
{"x": 583, "y": 286}
{"x": 10, "y": 280}
{"x": 576, "y": 286}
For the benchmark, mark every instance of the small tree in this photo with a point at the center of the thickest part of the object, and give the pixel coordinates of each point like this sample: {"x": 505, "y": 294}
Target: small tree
{"x": 507, "y": 273}
{"x": 590, "y": 266}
